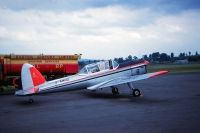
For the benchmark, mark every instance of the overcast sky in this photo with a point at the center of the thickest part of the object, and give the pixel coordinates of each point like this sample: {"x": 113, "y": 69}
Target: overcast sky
{"x": 100, "y": 29}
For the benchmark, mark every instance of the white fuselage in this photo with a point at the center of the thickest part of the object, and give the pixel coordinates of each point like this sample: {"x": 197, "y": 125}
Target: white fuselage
{"x": 82, "y": 81}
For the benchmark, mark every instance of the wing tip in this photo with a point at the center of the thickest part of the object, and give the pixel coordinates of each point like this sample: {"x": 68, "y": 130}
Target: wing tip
{"x": 159, "y": 73}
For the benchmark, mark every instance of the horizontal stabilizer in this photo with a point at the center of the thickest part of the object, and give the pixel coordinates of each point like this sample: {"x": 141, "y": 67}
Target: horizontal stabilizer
{"x": 26, "y": 92}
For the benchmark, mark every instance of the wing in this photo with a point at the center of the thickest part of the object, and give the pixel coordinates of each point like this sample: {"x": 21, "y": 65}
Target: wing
{"x": 26, "y": 92}
{"x": 125, "y": 79}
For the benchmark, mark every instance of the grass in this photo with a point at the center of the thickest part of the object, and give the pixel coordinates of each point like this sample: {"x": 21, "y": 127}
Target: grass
{"x": 7, "y": 90}
{"x": 175, "y": 68}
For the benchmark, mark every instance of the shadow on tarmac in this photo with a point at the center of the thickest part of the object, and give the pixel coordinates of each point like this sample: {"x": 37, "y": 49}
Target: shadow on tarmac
{"x": 27, "y": 103}
{"x": 127, "y": 98}
{"x": 59, "y": 97}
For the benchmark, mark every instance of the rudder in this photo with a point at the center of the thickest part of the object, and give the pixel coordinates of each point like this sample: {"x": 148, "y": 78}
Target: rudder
{"x": 31, "y": 78}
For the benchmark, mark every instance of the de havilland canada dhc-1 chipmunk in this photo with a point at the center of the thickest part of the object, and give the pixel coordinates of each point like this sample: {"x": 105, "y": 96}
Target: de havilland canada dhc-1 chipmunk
{"x": 104, "y": 74}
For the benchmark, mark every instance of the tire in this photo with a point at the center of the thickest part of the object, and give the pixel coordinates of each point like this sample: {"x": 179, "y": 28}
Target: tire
{"x": 30, "y": 100}
{"x": 136, "y": 92}
{"x": 115, "y": 91}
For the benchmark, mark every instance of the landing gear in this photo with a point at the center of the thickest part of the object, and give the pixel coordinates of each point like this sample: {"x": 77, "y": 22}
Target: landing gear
{"x": 115, "y": 91}
{"x": 30, "y": 100}
{"x": 135, "y": 92}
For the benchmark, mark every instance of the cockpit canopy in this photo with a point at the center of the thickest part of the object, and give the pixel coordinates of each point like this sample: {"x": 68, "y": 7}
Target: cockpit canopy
{"x": 99, "y": 66}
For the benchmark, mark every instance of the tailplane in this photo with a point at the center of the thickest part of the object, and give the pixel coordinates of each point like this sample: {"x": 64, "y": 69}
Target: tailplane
{"x": 30, "y": 78}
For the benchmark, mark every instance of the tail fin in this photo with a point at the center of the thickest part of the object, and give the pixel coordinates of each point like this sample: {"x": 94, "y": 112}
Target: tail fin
{"x": 31, "y": 78}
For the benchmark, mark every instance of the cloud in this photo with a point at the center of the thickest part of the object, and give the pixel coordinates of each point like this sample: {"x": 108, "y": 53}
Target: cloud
{"x": 167, "y": 6}
{"x": 103, "y": 32}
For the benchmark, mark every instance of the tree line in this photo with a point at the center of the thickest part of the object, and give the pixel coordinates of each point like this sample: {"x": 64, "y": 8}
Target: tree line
{"x": 155, "y": 57}
{"x": 162, "y": 57}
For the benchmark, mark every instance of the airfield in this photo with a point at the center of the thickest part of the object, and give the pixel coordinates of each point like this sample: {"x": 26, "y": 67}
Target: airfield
{"x": 170, "y": 103}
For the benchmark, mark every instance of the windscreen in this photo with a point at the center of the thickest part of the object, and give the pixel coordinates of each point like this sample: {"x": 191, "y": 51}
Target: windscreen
{"x": 93, "y": 68}
{"x": 83, "y": 71}
{"x": 115, "y": 64}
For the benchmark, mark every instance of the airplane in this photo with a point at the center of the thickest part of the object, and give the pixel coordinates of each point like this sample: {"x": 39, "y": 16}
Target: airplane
{"x": 101, "y": 75}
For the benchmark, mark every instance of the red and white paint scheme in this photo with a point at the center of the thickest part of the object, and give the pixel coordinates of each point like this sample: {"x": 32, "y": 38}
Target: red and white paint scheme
{"x": 103, "y": 74}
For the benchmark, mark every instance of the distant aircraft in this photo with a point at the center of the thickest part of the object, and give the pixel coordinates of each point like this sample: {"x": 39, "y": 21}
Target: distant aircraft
{"x": 103, "y": 74}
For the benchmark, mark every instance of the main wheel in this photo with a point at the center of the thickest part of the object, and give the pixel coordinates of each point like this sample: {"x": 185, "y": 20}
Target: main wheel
{"x": 115, "y": 91}
{"x": 136, "y": 92}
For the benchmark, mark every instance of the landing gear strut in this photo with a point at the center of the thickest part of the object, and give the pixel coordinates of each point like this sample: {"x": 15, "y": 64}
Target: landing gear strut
{"x": 115, "y": 91}
{"x": 135, "y": 92}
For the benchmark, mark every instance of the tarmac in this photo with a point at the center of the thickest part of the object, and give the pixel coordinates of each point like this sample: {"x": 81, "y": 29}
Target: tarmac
{"x": 169, "y": 104}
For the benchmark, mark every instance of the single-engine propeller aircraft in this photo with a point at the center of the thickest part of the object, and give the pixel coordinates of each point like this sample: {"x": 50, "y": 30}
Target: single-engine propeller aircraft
{"x": 103, "y": 74}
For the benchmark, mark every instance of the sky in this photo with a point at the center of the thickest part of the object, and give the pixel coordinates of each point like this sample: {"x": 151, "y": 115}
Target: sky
{"x": 99, "y": 29}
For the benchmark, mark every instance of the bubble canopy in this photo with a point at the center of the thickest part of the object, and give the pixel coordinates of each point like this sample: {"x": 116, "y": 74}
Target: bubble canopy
{"x": 99, "y": 67}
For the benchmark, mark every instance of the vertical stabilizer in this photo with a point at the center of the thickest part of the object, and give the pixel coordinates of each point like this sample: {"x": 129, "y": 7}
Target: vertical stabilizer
{"x": 31, "y": 78}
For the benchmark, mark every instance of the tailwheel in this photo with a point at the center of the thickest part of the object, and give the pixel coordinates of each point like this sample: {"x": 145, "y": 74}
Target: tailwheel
{"x": 136, "y": 92}
{"x": 115, "y": 91}
{"x": 30, "y": 100}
